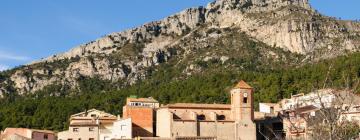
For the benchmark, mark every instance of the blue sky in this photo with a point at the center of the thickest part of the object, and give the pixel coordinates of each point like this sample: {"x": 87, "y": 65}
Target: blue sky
{"x": 34, "y": 29}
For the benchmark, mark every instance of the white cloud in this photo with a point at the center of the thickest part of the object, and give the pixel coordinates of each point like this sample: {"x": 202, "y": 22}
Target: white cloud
{"x": 9, "y": 56}
{"x": 3, "y": 67}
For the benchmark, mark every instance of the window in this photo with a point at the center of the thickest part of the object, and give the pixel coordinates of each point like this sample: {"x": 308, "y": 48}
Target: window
{"x": 45, "y": 136}
{"x": 75, "y": 129}
{"x": 123, "y": 127}
{"x": 93, "y": 115}
{"x": 69, "y": 139}
{"x": 201, "y": 117}
{"x": 271, "y": 110}
{"x": 91, "y": 129}
{"x": 220, "y": 117}
{"x": 245, "y": 100}
{"x": 91, "y": 139}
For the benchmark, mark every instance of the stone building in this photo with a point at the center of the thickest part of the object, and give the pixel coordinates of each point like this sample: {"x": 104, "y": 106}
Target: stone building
{"x": 27, "y": 134}
{"x": 218, "y": 121}
{"x": 142, "y": 113}
{"x": 294, "y": 113}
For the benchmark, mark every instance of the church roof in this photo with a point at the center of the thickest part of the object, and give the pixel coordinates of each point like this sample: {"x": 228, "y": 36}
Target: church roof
{"x": 243, "y": 84}
{"x": 198, "y": 106}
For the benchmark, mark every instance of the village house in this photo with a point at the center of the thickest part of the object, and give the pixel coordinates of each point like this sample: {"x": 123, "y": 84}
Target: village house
{"x": 27, "y": 134}
{"x": 96, "y": 125}
{"x": 295, "y": 112}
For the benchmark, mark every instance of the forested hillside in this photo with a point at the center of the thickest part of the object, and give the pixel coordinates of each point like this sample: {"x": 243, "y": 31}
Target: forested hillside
{"x": 47, "y": 110}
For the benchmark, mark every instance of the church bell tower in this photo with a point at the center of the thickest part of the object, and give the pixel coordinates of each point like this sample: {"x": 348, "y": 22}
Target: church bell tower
{"x": 242, "y": 110}
{"x": 242, "y": 102}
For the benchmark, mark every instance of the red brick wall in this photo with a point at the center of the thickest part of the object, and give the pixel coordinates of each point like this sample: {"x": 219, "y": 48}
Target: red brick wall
{"x": 142, "y": 119}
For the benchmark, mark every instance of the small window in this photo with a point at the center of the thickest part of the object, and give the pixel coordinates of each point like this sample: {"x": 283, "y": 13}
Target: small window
{"x": 272, "y": 110}
{"x": 122, "y": 127}
{"x": 245, "y": 100}
{"x": 91, "y": 139}
{"x": 93, "y": 115}
{"x": 75, "y": 129}
{"x": 220, "y": 117}
{"x": 201, "y": 117}
{"x": 45, "y": 136}
{"x": 91, "y": 129}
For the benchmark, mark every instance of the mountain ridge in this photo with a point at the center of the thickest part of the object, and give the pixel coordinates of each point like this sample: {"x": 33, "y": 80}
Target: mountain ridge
{"x": 188, "y": 19}
{"x": 291, "y": 25}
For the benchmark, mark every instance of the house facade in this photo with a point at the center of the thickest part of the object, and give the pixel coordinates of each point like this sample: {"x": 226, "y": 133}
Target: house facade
{"x": 96, "y": 125}
{"x": 25, "y": 133}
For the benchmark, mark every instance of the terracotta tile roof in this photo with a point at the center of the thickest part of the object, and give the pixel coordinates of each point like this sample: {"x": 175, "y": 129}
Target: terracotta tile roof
{"x": 83, "y": 124}
{"x": 243, "y": 84}
{"x": 81, "y": 114}
{"x": 198, "y": 106}
{"x": 33, "y": 130}
{"x": 93, "y": 118}
{"x": 43, "y": 131}
{"x": 148, "y": 100}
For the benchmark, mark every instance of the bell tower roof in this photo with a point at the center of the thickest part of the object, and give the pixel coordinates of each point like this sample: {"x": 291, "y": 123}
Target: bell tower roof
{"x": 243, "y": 85}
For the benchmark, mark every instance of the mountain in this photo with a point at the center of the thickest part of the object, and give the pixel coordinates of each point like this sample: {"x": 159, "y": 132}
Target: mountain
{"x": 280, "y": 47}
{"x": 232, "y": 35}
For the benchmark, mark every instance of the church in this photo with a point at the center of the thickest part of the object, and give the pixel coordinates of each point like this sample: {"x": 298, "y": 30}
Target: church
{"x": 233, "y": 121}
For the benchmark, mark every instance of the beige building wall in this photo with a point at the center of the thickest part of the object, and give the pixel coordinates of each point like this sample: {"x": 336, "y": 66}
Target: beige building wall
{"x": 246, "y": 130}
{"x": 183, "y": 128}
{"x": 163, "y": 123}
{"x": 122, "y": 129}
{"x": 220, "y": 130}
{"x": 225, "y": 131}
{"x": 208, "y": 129}
{"x": 83, "y": 133}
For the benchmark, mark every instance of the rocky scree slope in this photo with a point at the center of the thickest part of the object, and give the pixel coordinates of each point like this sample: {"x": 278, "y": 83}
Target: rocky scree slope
{"x": 240, "y": 34}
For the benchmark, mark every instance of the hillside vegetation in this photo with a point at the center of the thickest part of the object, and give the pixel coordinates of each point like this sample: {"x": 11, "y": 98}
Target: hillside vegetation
{"x": 46, "y": 110}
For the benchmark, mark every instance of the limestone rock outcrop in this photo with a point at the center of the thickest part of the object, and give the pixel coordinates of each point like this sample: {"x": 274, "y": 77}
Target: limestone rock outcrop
{"x": 288, "y": 24}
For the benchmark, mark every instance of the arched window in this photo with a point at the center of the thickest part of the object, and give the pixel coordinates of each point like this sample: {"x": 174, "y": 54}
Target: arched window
{"x": 201, "y": 117}
{"x": 245, "y": 100}
{"x": 220, "y": 117}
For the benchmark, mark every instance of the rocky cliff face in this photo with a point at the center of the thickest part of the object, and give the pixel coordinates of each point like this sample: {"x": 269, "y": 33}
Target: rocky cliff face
{"x": 126, "y": 56}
